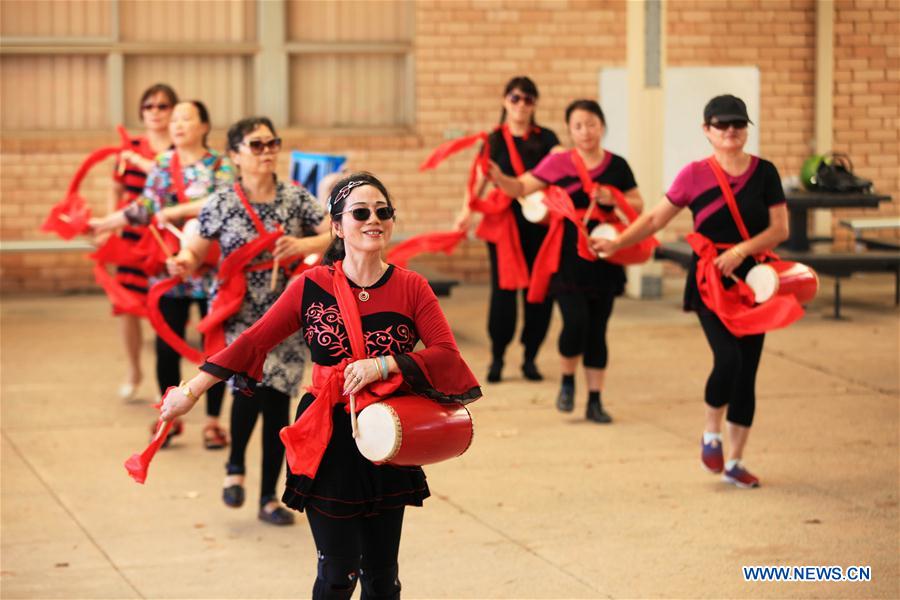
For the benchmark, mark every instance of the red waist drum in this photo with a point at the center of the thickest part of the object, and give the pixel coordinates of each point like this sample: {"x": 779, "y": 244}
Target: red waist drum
{"x": 632, "y": 255}
{"x": 412, "y": 430}
{"x": 782, "y": 277}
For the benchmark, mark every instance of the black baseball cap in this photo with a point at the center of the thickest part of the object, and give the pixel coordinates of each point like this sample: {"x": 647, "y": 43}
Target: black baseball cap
{"x": 725, "y": 108}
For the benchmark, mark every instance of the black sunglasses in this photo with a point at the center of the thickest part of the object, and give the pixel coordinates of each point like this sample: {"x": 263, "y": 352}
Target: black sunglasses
{"x": 258, "y": 146}
{"x": 384, "y": 213}
{"x": 724, "y": 125}
{"x": 161, "y": 106}
{"x": 516, "y": 98}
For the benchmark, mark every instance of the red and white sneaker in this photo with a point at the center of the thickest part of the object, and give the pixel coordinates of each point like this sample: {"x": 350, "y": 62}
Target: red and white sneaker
{"x": 711, "y": 455}
{"x": 741, "y": 477}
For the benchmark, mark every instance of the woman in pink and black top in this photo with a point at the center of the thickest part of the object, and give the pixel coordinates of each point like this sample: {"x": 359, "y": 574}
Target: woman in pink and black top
{"x": 584, "y": 289}
{"x": 730, "y": 389}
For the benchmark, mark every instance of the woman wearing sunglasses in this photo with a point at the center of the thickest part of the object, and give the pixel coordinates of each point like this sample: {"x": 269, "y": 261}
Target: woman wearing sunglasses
{"x": 354, "y": 507}
{"x": 177, "y": 186}
{"x": 756, "y": 186}
{"x": 234, "y": 216}
{"x": 584, "y": 289}
{"x": 517, "y": 143}
{"x": 155, "y": 111}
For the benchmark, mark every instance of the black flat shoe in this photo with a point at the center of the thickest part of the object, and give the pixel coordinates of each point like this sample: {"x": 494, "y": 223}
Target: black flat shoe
{"x": 494, "y": 372}
{"x": 280, "y": 516}
{"x": 529, "y": 370}
{"x": 565, "y": 401}
{"x": 596, "y": 413}
{"x": 233, "y": 496}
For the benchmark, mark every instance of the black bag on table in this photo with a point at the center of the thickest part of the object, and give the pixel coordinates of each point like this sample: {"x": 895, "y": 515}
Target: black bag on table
{"x": 835, "y": 174}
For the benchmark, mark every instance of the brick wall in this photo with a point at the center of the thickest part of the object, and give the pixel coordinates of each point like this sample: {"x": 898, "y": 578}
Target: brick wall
{"x": 867, "y": 98}
{"x": 465, "y": 52}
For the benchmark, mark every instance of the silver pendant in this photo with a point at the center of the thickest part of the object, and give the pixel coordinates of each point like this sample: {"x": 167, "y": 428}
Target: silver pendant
{"x": 363, "y": 296}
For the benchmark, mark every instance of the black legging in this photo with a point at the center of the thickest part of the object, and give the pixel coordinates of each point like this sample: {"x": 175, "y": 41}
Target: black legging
{"x": 363, "y": 548}
{"x": 503, "y": 313}
{"x": 168, "y": 362}
{"x": 275, "y": 408}
{"x": 584, "y": 327}
{"x": 733, "y": 377}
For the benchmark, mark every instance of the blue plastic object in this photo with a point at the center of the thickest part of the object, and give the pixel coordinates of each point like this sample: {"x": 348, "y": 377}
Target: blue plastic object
{"x": 308, "y": 168}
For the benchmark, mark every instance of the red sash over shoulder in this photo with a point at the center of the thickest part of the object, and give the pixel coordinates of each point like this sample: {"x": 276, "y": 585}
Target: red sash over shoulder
{"x": 736, "y": 307}
{"x": 233, "y": 279}
{"x": 498, "y": 224}
{"x": 547, "y": 261}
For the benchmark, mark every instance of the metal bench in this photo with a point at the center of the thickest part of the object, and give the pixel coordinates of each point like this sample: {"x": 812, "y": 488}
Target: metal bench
{"x": 861, "y": 226}
{"x": 834, "y": 264}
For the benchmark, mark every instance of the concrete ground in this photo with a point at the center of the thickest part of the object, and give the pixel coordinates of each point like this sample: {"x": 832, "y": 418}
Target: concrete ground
{"x": 544, "y": 505}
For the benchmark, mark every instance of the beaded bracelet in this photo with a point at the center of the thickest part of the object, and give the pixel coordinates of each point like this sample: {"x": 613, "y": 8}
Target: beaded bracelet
{"x": 738, "y": 253}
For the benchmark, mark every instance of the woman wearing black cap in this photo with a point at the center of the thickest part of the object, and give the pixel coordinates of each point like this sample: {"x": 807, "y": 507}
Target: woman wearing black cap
{"x": 517, "y": 145}
{"x": 760, "y": 205}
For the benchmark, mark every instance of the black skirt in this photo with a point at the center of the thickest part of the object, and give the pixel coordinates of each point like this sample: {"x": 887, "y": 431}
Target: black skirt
{"x": 347, "y": 484}
{"x": 579, "y": 276}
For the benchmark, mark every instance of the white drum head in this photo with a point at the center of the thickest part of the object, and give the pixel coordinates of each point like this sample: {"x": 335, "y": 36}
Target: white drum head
{"x": 533, "y": 208}
{"x": 763, "y": 280}
{"x": 379, "y": 432}
{"x": 604, "y": 231}
{"x": 311, "y": 259}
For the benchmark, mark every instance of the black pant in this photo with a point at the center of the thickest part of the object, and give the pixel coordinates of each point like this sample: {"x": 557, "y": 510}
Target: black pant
{"x": 358, "y": 547}
{"x": 733, "y": 377}
{"x": 275, "y": 408}
{"x": 584, "y": 327}
{"x": 168, "y": 362}
{"x": 503, "y": 314}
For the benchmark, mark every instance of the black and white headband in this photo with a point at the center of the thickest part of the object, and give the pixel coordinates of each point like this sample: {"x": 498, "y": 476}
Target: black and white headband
{"x": 343, "y": 193}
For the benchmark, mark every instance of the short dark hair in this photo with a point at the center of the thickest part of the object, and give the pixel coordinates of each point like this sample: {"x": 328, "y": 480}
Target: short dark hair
{"x": 158, "y": 88}
{"x": 590, "y": 106}
{"x": 337, "y": 200}
{"x": 240, "y": 129}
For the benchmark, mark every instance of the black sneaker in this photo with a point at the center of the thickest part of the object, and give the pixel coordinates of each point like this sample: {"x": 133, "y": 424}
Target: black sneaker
{"x": 280, "y": 516}
{"x": 233, "y": 495}
{"x": 494, "y": 372}
{"x": 565, "y": 401}
{"x": 596, "y": 413}
{"x": 529, "y": 370}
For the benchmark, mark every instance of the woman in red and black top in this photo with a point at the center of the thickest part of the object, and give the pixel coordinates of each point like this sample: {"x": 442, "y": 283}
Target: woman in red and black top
{"x": 584, "y": 289}
{"x": 518, "y": 133}
{"x": 156, "y": 106}
{"x": 731, "y": 387}
{"x": 355, "y": 508}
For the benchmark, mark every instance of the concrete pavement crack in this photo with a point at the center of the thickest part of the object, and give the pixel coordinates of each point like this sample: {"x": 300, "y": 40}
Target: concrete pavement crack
{"x": 72, "y": 516}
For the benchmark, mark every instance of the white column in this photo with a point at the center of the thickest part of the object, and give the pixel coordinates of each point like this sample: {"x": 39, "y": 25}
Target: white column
{"x": 270, "y": 66}
{"x": 646, "y": 59}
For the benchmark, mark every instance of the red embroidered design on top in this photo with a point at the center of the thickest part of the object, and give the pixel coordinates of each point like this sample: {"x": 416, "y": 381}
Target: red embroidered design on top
{"x": 325, "y": 328}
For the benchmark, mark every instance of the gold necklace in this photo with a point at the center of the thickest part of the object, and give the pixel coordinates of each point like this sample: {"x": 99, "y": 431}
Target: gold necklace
{"x": 363, "y": 295}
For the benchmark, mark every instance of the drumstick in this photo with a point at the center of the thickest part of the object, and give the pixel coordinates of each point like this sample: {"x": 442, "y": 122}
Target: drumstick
{"x": 274, "y": 281}
{"x": 353, "y": 425}
{"x": 159, "y": 240}
{"x": 175, "y": 231}
{"x": 122, "y": 163}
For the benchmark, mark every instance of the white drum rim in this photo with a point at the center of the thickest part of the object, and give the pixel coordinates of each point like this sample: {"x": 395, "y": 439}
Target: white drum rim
{"x": 384, "y": 408}
{"x": 759, "y": 270}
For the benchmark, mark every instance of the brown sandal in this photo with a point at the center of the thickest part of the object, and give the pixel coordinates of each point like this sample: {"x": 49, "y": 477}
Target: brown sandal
{"x": 214, "y": 437}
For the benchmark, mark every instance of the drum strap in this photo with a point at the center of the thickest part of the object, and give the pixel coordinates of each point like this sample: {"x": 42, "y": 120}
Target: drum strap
{"x": 589, "y": 186}
{"x": 731, "y": 202}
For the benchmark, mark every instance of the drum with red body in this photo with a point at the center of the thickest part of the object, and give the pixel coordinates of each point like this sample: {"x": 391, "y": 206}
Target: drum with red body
{"x": 781, "y": 277}
{"x": 632, "y": 255}
{"x": 534, "y": 210}
{"x": 412, "y": 430}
